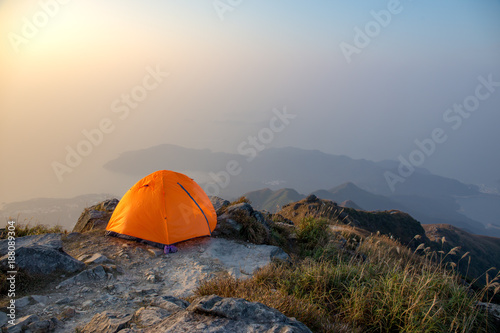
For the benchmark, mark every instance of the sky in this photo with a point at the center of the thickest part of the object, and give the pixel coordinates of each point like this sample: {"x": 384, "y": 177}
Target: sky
{"x": 364, "y": 79}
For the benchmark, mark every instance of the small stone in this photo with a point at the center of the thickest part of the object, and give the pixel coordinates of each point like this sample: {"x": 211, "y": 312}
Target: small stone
{"x": 148, "y": 291}
{"x": 127, "y": 296}
{"x": 155, "y": 251}
{"x": 67, "y": 314}
{"x": 109, "y": 268}
{"x": 110, "y": 287}
{"x": 23, "y": 323}
{"x": 87, "y": 304}
{"x": 40, "y": 299}
{"x": 96, "y": 259}
{"x": 56, "y": 322}
{"x": 64, "y": 300}
{"x": 23, "y": 302}
{"x": 170, "y": 303}
{"x": 83, "y": 257}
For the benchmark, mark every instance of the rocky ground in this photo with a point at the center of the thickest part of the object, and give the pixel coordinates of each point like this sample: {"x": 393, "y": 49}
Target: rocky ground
{"x": 87, "y": 282}
{"x": 95, "y": 283}
{"x": 122, "y": 276}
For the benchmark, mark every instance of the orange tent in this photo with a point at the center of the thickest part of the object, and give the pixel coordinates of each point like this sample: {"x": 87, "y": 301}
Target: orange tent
{"x": 165, "y": 207}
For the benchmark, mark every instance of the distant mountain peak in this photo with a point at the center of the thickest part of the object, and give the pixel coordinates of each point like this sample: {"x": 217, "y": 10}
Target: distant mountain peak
{"x": 347, "y": 186}
{"x": 350, "y": 204}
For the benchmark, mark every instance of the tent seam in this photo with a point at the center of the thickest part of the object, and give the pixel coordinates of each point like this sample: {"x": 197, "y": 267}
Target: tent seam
{"x": 206, "y": 219}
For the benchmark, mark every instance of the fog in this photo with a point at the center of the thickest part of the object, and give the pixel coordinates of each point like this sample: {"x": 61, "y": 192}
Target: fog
{"x": 208, "y": 74}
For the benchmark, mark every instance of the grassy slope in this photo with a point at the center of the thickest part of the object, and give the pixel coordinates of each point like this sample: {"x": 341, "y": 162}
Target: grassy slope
{"x": 340, "y": 282}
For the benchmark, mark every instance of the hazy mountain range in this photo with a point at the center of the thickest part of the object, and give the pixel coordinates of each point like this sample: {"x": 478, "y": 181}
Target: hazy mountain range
{"x": 425, "y": 210}
{"x": 427, "y": 197}
{"x": 277, "y": 176}
{"x": 50, "y": 211}
{"x": 303, "y": 170}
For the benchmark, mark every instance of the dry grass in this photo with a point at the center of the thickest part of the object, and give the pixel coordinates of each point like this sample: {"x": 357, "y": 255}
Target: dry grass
{"x": 262, "y": 289}
{"x": 38, "y": 229}
{"x": 372, "y": 284}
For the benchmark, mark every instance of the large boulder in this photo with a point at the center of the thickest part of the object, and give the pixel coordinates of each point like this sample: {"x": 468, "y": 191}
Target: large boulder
{"x": 243, "y": 207}
{"x": 241, "y": 221}
{"x": 96, "y": 217}
{"x": 32, "y": 323}
{"x": 50, "y": 240}
{"x": 40, "y": 254}
{"x": 219, "y": 204}
{"x": 217, "y": 314}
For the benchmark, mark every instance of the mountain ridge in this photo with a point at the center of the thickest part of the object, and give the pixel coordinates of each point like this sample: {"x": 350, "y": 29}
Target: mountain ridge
{"x": 425, "y": 210}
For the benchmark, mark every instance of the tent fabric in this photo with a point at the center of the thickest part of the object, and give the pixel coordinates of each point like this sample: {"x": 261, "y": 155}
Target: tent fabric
{"x": 164, "y": 208}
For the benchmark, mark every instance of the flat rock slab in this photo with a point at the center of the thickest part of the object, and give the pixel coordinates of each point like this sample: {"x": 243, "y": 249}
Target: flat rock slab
{"x": 241, "y": 260}
{"x": 197, "y": 259}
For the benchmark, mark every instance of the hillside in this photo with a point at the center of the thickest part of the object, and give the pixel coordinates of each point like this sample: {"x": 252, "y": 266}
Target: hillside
{"x": 272, "y": 201}
{"x": 303, "y": 170}
{"x": 427, "y": 210}
{"x": 350, "y": 204}
{"x": 436, "y": 209}
{"x": 365, "y": 199}
{"x": 484, "y": 252}
{"x": 444, "y": 210}
{"x": 50, "y": 211}
{"x": 396, "y": 224}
